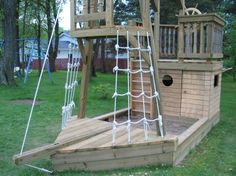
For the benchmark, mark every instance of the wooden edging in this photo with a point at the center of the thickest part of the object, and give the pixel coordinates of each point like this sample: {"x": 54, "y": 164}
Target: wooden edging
{"x": 111, "y": 114}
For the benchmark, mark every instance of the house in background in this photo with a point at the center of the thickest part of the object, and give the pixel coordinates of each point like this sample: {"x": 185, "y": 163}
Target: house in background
{"x": 65, "y": 40}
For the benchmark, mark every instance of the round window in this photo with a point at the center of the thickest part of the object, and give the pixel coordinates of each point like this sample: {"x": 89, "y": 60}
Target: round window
{"x": 167, "y": 80}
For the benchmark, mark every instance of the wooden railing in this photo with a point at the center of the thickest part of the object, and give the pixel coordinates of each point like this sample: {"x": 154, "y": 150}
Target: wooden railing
{"x": 168, "y": 41}
{"x": 91, "y": 14}
{"x": 200, "y": 37}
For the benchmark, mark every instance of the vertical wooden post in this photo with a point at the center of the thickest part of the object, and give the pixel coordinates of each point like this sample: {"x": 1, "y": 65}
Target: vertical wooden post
{"x": 157, "y": 28}
{"x": 174, "y": 42}
{"x": 72, "y": 15}
{"x": 156, "y": 56}
{"x": 145, "y": 12}
{"x": 195, "y": 40}
{"x": 181, "y": 41}
{"x": 109, "y": 13}
{"x": 85, "y": 78}
{"x": 202, "y": 38}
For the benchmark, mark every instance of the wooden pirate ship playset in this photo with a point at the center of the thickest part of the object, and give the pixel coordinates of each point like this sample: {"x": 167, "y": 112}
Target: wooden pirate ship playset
{"x": 173, "y": 90}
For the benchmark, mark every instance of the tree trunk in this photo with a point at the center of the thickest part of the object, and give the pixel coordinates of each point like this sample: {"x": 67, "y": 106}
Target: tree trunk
{"x": 103, "y": 55}
{"x": 17, "y": 35}
{"x": 38, "y": 37}
{"x": 95, "y": 56}
{"x": 53, "y": 48}
{"x": 9, "y": 55}
{"x": 23, "y": 33}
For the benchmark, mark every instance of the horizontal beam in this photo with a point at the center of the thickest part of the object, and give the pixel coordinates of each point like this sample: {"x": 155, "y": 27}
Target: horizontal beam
{"x": 90, "y": 17}
{"x": 108, "y": 32}
{"x": 201, "y": 55}
{"x": 190, "y": 65}
{"x": 201, "y": 18}
{"x": 111, "y": 114}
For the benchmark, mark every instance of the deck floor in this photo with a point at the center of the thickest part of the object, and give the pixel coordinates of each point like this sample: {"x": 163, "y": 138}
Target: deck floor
{"x": 97, "y": 152}
{"x": 174, "y": 126}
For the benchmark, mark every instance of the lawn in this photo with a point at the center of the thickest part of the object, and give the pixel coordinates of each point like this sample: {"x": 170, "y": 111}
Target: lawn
{"x": 216, "y": 154}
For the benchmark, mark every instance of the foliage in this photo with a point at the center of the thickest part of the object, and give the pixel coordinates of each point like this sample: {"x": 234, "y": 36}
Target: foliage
{"x": 124, "y": 13}
{"x": 103, "y": 91}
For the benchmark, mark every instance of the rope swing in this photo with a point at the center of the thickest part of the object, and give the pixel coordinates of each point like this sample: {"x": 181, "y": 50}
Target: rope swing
{"x": 143, "y": 95}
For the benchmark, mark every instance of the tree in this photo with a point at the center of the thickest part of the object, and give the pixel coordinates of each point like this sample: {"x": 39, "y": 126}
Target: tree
{"x": 230, "y": 36}
{"x": 51, "y": 13}
{"x": 10, "y": 32}
{"x": 124, "y": 12}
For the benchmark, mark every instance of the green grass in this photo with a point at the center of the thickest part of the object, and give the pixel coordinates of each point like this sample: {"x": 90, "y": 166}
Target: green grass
{"x": 216, "y": 154}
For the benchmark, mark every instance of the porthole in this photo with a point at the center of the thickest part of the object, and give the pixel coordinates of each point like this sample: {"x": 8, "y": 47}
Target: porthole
{"x": 167, "y": 80}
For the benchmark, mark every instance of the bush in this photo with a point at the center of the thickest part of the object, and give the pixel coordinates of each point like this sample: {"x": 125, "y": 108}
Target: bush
{"x": 103, "y": 91}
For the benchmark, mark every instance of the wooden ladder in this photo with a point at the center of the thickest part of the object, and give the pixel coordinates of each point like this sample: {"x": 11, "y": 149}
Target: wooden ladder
{"x": 136, "y": 89}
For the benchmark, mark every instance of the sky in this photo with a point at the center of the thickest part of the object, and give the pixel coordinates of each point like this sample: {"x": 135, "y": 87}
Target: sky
{"x": 65, "y": 16}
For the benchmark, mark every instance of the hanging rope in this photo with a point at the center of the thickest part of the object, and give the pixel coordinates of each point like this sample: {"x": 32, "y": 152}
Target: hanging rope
{"x": 71, "y": 83}
{"x": 37, "y": 89}
{"x": 128, "y": 71}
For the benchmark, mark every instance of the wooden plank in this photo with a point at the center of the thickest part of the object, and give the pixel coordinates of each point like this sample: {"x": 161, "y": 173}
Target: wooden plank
{"x": 181, "y": 41}
{"x": 191, "y": 137}
{"x": 72, "y": 14}
{"x": 210, "y": 17}
{"x": 90, "y": 17}
{"x": 109, "y": 13}
{"x": 134, "y": 43}
{"x": 108, "y": 31}
{"x": 165, "y": 158}
{"x": 114, "y": 153}
{"x": 111, "y": 114}
{"x": 202, "y": 38}
{"x": 84, "y": 128}
{"x": 93, "y": 142}
{"x": 85, "y": 80}
{"x": 50, "y": 149}
{"x": 195, "y": 39}
{"x": 190, "y": 66}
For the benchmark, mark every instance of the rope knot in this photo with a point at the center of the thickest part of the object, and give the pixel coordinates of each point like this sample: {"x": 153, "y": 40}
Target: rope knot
{"x": 117, "y": 47}
{"x": 115, "y": 69}
{"x": 114, "y": 95}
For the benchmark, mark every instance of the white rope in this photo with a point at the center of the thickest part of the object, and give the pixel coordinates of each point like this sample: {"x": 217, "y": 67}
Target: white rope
{"x": 143, "y": 95}
{"x": 40, "y": 78}
{"x": 39, "y": 168}
{"x": 128, "y": 85}
{"x": 70, "y": 85}
{"x": 116, "y": 86}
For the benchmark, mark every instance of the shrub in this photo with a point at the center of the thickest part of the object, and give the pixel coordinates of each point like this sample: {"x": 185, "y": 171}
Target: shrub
{"x": 103, "y": 91}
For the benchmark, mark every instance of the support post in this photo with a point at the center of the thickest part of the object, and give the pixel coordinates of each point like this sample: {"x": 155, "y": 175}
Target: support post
{"x": 85, "y": 78}
{"x": 156, "y": 73}
{"x": 72, "y": 14}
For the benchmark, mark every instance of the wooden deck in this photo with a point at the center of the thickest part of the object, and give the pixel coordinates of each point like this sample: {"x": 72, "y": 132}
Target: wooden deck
{"x": 98, "y": 153}
{"x": 86, "y": 144}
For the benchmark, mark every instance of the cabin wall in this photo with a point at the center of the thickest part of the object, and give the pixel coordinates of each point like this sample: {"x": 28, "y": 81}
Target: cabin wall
{"x": 196, "y": 94}
{"x": 195, "y": 91}
{"x": 171, "y": 95}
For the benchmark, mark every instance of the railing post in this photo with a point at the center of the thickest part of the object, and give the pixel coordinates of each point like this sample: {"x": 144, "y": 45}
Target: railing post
{"x": 109, "y": 13}
{"x": 72, "y": 14}
{"x": 181, "y": 41}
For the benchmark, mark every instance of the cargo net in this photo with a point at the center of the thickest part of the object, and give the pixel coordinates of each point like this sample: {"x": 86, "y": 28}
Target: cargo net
{"x": 144, "y": 121}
